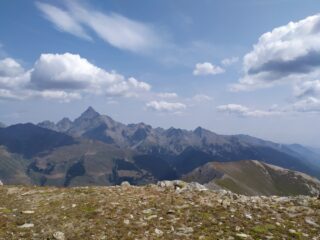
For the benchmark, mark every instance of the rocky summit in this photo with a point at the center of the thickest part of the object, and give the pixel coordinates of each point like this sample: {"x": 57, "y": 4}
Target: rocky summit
{"x": 167, "y": 210}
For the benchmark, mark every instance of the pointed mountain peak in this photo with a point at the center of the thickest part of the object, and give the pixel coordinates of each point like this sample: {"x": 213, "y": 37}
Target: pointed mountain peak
{"x": 89, "y": 113}
{"x": 200, "y": 131}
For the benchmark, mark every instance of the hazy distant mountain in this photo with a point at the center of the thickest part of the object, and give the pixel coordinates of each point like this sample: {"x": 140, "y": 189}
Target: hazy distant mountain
{"x": 94, "y": 149}
{"x": 183, "y": 149}
{"x": 2, "y": 125}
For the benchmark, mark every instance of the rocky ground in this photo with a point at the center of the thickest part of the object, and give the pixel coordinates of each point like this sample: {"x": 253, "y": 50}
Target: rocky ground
{"x": 169, "y": 210}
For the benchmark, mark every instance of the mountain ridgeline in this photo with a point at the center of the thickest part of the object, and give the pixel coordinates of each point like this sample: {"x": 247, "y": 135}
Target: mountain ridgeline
{"x": 94, "y": 149}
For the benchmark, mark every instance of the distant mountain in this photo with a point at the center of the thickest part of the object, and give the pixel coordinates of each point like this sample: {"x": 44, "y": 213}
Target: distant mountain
{"x": 2, "y": 125}
{"x": 185, "y": 150}
{"x": 254, "y": 178}
{"x": 94, "y": 149}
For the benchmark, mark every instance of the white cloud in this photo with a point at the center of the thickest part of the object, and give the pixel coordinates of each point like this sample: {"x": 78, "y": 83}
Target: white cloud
{"x": 286, "y": 54}
{"x": 114, "y": 29}
{"x": 244, "y": 111}
{"x": 67, "y": 77}
{"x": 9, "y": 67}
{"x": 201, "y": 98}
{"x": 12, "y": 74}
{"x": 63, "y": 20}
{"x": 307, "y": 89}
{"x": 207, "y": 68}
{"x": 164, "y": 106}
{"x": 58, "y": 95}
{"x": 70, "y": 71}
{"x": 229, "y": 61}
{"x": 167, "y": 95}
{"x": 308, "y": 104}
{"x": 10, "y": 95}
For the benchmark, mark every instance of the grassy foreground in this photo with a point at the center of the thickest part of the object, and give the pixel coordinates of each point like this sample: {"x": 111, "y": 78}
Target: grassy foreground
{"x": 152, "y": 212}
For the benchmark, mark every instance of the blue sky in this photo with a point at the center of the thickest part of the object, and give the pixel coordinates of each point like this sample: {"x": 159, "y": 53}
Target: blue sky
{"x": 229, "y": 66}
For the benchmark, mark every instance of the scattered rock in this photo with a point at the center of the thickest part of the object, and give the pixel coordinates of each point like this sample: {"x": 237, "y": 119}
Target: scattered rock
{"x": 126, "y": 222}
{"x": 184, "y": 231}
{"x": 158, "y": 232}
{"x": 59, "y": 236}
{"x": 125, "y": 184}
{"x": 28, "y": 212}
{"x": 242, "y": 235}
{"x": 248, "y": 215}
{"x": 147, "y": 211}
{"x": 292, "y": 231}
{"x": 26, "y": 225}
{"x": 311, "y": 222}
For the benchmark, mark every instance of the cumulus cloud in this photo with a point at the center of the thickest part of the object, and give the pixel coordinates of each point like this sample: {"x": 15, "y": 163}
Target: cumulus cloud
{"x": 66, "y": 77}
{"x": 114, "y": 29}
{"x": 287, "y": 53}
{"x": 164, "y": 106}
{"x": 244, "y": 111}
{"x": 229, "y": 61}
{"x": 12, "y": 74}
{"x": 207, "y": 68}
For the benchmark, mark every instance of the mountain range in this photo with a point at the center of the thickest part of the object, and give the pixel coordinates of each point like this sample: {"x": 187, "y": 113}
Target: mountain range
{"x": 94, "y": 149}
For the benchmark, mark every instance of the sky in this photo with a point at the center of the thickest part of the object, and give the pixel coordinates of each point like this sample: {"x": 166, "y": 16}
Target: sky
{"x": 233, "y": 67}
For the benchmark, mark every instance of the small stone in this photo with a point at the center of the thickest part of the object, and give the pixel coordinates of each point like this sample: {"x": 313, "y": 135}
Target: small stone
{"x": 311, "y": 222}
{"x": 126, "y": 221}
{"x": 150, "y": 217}
{"x": 249, "y": 216}
{"x": 226, "y": 203}
{"x": 73, "y": 205}
{"x": 238, "y": 228}
{"x": 59, "y": 236}
{"x": 28, "y": 212}
{"x": 125, "y": 184}
{"x": 292, "y": 231}
{"x": 242, "y": 235}
{"x": 170, "y": 211}
{"x": 147, "y": 211}
{"x": 158, "y": 232}
{"x": 26, "y": 225}
{"x": 185, "y": 230}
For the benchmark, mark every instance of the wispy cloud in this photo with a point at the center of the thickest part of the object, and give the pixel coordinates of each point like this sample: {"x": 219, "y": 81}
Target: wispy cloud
{"x": 244, "y": 111}
{"x": 163, "y": 106}
{"x": 229, "y": 61}
{"x": 62, "y": 20}
{"x": 115, "y": 29}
